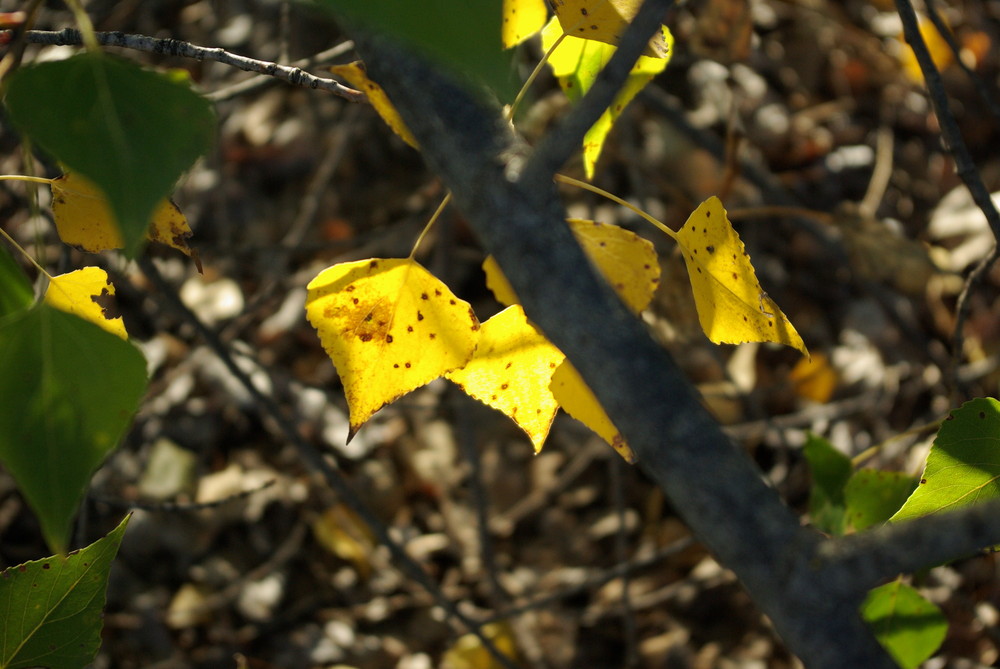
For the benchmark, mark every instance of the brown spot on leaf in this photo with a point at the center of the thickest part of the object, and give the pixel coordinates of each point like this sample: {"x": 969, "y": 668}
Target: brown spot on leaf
{"x": 923, "y": 481}
{"x": 406, "y": 364}
{"x": 409, "y": 328}
{"x": 508, "y": 365}
{"x": 982, "y": 414}
{"x": 420, "y": 316}
{"x": 503, "y": 386}
{"x": 355, "y": 300}
{"x": 423, "y": 296}
{"x": 373, "y": 264}
{"x": 710, "y": 249}
{"x": 388, "y": 339}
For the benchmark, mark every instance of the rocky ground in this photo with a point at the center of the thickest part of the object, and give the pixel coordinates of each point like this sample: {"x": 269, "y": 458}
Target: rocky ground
{"x": 810, "y": 109}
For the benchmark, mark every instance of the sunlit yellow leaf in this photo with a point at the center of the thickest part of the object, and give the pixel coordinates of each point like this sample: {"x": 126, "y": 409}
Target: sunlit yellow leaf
{"x": 83, "y": 219}
{"x": 732, "y": 307}
{"x": 510, "y": 371}
{"x": 626, "y": 260}
{"x": 521, "y": 20}
{"x": 576, "y": 64}
{"x": 81, "y": 293}
{"x": 355, "y": 74}
{"x": 390, "y": 327}
{"x": 469, "y": 652}
{"x": 578, "y": 400}
{"x": 605, "y": 21}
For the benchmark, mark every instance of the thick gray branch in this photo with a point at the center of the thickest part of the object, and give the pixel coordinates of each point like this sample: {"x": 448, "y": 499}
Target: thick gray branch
{"x": 709, "y": 480}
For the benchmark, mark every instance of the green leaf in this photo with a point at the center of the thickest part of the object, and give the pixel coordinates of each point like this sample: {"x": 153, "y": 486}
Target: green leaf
{"x": 131, "y": 131}
{"x": 872, "y": 496}
{"x": 70, "y": 389}
{"x": 463, "y": 37}
{"x": 831, "y": 471}
{"x": 15, "y": 291}
{"x": 907, "y": 625}
{"x": 963, "y": 466}
{"x": 52, "y": 609}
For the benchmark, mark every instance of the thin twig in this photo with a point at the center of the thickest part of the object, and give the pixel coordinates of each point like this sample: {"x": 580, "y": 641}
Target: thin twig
{"x": 616, "y": 476}
{"x": 267, "y": 407}
{"x": 963, "y": 161}
{"x": 180, "y": 49}
{"x": 260, "y": 81}
{"x": 977, "y": 82}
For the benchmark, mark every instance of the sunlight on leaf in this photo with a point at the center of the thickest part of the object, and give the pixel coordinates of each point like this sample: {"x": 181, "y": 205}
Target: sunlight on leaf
{"x": 578, "y": 400}
{"x": 355, "y": 74}
{"x": 70, "y": 389}
{"x": 907, "y": 625}
{"x": 873, "y": 496}
{"x": 732, "y": 307}
{"x": 605, "y": 21}
{"x": 576, "y": 64}
{"x": 53, "y": 609}
{"x": 83, "y": 219}
{"x": 78, "y": 293}
{"x": 390, "y": 327}
{"x": 511, "y": 370}
{"x": 963, "y": 466}
{"x": 626, "y": 260}
{"x": 521, "y": 20}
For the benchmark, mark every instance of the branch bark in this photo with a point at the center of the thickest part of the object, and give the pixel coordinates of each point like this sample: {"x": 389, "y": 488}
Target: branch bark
{"x": 810, "y": 587}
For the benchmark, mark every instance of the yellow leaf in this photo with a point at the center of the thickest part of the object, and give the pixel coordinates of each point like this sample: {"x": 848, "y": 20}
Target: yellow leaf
{"x": 389, "y": 326}
{"x": 605, "y": 21}
{"x": 80, "y": 292}
{"x": 576, "y": 64}
{"x": 355, "y": 74}
{"x": 732, "y": 307}
{"x": 815, "y": 378}
{"x": 469, "y": 653}
{"x": 578, "y": 400}
{"x": 941, "y": 53}
{"x": 340, "y": 531}
{"x": 521, "y": 20}
{"x": 84, "y": 219}
{"x": 510, "y": 371}
{"x": 627, "y": 261}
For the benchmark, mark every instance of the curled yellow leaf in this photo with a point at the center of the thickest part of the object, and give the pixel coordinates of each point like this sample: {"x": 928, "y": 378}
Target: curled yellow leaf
{"x": 84, "y": 219}
{"x": 390, "y": 327}
{"x": 510, "y": 371}
{"x": 626, "y": 260}
{"x": 578, "y": 400}
{"x": 81, "y": 293}
{"x": 355, "y": 74}
{"x": 732, "y": 306}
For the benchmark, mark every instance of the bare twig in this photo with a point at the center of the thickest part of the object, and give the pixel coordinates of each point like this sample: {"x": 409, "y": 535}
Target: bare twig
{"x": 177, "y": 48}
{"x": 268, "y": 408}
{"x": 963, "y": 161}
{"x": 262, "y": 80}
{"x": 977, "y": 82}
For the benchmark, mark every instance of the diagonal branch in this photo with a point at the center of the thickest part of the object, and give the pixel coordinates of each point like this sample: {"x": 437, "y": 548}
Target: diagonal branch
{"x": 710, "y": 481}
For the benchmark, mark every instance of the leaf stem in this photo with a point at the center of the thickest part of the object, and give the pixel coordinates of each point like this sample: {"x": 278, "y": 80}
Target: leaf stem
{"x": 531, "y": 78}
{"x": 662, "y": 227}
{"x": 25, "y": 253}
{"x": 871, "y": 451}
{"x": 434, "y": 217}
{"x": 24, "y": 177}
{"x": 86, "y": 26}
